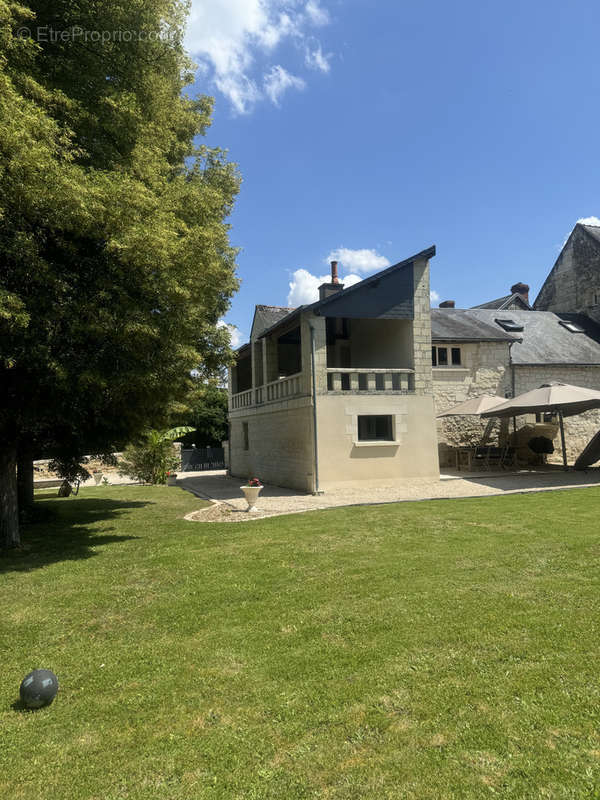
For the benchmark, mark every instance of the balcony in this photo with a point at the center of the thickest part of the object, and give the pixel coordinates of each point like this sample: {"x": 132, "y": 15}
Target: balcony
{"x": 351, "y": 379}
{"x": 282, "y": 389}
{"x": 339, "y": 381}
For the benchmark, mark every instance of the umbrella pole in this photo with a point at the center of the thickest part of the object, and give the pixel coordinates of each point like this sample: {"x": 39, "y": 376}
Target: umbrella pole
{"x": 562, "y": 439}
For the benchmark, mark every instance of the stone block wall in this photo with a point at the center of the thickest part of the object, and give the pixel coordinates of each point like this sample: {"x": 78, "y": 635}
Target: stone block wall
{"x": 484, "y": 370}
{"x": 578, "y": 429}
{"x": 422, "y": 329}
{"x": 280, "y": 443}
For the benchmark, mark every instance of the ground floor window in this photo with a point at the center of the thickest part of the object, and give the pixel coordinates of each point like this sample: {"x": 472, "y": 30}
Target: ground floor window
{"x": 245, "y": 435}
{"x": 440, "y": 356}
{"x": 375, "y": 428}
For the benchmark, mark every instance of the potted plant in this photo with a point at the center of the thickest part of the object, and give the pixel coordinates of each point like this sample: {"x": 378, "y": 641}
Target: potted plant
{"x": 251, "y": 491}
{"x": 171, "y": 478}
{"x": 97, "y": 476}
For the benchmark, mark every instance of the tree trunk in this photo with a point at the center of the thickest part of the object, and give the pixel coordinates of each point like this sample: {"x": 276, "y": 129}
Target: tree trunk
{"x": 9, "y": 504}
{"x": 25, "y": 480}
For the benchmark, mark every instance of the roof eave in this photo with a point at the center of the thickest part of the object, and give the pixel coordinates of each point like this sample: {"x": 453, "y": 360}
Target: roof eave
{"x": 314, "y": 307}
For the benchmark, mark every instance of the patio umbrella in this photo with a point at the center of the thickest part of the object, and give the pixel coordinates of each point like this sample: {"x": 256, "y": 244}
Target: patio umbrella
{"x": 474, "y": 405}
{"x": 562, "y": 398}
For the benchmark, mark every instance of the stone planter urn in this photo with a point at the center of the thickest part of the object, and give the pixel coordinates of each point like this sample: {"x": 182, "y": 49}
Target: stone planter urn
{"x": 97, "y": 476}
{"x": 251, "y": 494}
{"x": 172, "y": 479}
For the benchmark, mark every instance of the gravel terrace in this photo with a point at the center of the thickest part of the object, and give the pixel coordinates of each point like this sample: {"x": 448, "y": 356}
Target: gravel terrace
{"x": 229, "y": 504}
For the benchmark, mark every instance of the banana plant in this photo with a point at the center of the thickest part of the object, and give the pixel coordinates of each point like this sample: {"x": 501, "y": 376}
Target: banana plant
{"x": 150, "y": 459}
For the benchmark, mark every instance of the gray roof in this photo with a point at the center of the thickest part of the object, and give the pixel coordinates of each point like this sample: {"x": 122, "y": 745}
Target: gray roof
{"x": 267, "y": 316}
{"x": 354, "y": 291}
{"x": 505, "y": 302}
{"x": 593, "y": 230}
{"x": 544, "y": 339}
{"x": 462, "y": 325}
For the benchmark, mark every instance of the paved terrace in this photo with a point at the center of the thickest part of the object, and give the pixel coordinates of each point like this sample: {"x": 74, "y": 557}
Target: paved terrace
{"x": 230, "y": 505}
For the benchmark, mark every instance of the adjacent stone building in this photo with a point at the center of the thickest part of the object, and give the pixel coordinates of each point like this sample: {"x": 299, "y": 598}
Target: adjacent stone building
{"x": 507, "y": 347}
{"x": 573, "y": 284}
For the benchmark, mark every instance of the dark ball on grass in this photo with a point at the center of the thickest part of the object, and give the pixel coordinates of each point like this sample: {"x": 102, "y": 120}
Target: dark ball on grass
{"x": 39, "y": 688}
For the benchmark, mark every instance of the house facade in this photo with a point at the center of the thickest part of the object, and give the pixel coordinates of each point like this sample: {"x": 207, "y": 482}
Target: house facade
{"x": 385, "y": 365}
{"x": 340, "y": 392}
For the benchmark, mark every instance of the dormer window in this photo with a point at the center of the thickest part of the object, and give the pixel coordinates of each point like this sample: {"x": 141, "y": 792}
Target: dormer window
{"x": 571, "y": 326}
{"x": 509, "y": 325}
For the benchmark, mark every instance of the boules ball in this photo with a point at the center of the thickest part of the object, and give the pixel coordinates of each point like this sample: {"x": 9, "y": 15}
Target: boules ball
{"x": 39, "y": 688}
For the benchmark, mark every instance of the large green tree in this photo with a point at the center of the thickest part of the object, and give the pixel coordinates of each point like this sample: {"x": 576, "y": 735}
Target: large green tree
{"x": 115, "y": 262}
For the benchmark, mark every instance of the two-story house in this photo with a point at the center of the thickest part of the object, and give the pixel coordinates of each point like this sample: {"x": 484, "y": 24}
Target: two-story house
{"x": 339, "y": 392}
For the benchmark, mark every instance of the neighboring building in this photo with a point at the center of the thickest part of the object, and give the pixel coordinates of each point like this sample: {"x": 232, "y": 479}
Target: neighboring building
{"x": 573, "y": 284}
{"x": 506, "y": 347}
{"x": 517, "y": 300}
{"x": 370, "y": 393}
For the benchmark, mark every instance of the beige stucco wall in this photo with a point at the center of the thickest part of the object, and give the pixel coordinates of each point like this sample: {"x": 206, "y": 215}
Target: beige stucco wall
{"x": 380, "y": 343}
{"x": 344, "y": 463}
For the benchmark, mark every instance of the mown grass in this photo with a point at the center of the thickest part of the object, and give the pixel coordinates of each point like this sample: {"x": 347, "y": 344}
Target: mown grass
{"x": 432, "y": 650}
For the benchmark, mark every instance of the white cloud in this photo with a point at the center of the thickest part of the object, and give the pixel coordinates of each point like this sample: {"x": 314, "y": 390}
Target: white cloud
{"x": 434, "y": 296}
{"x": 592, "y": 221}
{"x": 278, "y": 81}
{"x": 304, "y": 286}
{"x": 235, "y": 335}
{"x": 228, "y": 37}
{"x": 316, "y": 14}
{"x": 314, "y": 58}
{"x": 360, "y": 261}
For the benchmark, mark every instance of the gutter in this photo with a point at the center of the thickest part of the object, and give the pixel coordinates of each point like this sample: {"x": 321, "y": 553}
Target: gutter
{"x": 316, "y": 487}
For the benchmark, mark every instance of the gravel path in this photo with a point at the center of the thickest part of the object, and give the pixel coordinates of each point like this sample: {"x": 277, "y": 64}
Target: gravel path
{"x": 229, "y": 504}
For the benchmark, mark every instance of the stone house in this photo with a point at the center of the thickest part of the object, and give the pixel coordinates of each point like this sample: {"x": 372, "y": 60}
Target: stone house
{"x": 507, "y": 347}
{"x": 339, "y": 392}
{"x": 385, "y": 365}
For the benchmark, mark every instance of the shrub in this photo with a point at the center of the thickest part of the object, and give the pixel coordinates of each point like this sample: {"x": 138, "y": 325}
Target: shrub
{"x": 153, "y": 456}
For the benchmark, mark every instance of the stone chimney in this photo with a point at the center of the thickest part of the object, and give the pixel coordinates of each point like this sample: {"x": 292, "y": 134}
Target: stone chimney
{"x": 327, "y": 289}
{"x": 447, "y": 304}
{"x": 522, "y": 289}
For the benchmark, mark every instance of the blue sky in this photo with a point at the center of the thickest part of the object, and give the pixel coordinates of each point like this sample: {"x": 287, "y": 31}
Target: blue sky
{"x": 375, "y": 129}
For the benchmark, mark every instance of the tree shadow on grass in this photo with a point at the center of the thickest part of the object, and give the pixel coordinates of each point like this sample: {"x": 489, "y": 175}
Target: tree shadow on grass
{"x": 63, "y": 530}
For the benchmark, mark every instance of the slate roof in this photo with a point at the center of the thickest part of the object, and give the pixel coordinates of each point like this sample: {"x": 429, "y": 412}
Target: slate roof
{"x": 593, "y": 230}
{"x": 544, "y": 339}
{"x": 505, "y": 302}
{"x": 267, "y": 316}
{"x": 461, "y": 325}
{"x": 372, "y": 281}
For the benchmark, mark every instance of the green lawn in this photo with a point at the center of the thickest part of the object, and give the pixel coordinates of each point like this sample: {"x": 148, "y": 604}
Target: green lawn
{"x": 426, "y": 650}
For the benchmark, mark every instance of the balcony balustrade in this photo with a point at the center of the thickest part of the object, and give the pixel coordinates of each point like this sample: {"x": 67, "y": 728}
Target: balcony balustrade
{"x": 351, "y": 379}
{"x": 339, "y": 380}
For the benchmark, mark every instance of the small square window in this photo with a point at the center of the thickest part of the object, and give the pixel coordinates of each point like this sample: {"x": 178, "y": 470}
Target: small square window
{"x": 245, "y": 435}
{"x": 376, "y": 428}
